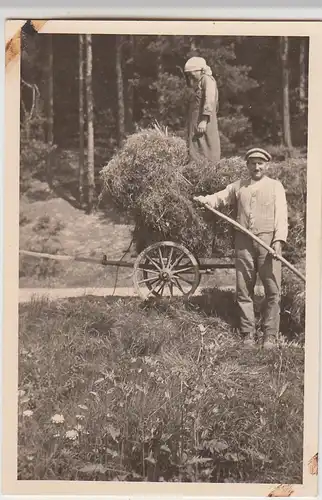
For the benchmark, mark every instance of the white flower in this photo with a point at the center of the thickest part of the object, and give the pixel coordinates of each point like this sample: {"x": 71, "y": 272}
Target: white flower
{"x": 72, "y": 435}
{"x": 80, "y": 417}
{"x": 202, "y": 329}
{"x": 28, "y": 413}
{"x": 57, "y": 419}
{"x": 79, "y": 427}
{"x": 83, "y": 407}
{"x": 21, "y": 393}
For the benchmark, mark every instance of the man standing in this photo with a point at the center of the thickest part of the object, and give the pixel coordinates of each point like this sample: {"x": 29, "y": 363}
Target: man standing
{"x": 262, "y": 209}
{"x": 203, "y": 134}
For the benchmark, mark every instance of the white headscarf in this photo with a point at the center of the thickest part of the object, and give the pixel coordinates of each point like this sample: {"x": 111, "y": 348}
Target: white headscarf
{"x": 197, "y": 64}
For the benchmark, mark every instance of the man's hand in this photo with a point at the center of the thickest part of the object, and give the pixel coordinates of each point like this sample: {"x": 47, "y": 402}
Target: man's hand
{"x": 202, "y": 127}
{"x": 200, "y": 199}
{"x": 277, "y": 247}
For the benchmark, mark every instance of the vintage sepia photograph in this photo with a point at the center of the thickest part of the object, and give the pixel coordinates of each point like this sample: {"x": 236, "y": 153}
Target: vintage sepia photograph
{"x": 163, "y": 251}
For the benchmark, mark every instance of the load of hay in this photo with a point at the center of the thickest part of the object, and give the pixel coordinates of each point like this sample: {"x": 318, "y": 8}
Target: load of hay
{"x": 151, "y": 180}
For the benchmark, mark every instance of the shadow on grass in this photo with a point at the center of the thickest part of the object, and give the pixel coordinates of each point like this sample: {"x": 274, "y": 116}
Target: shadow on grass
{"x": 222, "y": 303}
{"x": 213, "y": 302}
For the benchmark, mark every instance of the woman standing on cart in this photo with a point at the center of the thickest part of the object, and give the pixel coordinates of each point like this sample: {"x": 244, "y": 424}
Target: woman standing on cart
{"x": 203, "y": 134}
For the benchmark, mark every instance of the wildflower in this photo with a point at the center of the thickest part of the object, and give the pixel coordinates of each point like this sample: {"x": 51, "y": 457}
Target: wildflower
{"x": 30, "y": 458}
{"x": 24, "y": 352}
{"x": 79, "y": 427}
{"x": 202, "y": 329}
{"x": 57, "y": 435}
{"x": 133, "y": 360}
{"x": 57, "y": 419}
{"x": 72, "y": 435}
{"x": 98, "y": 381}
{"x": 82, "y": 407}
{"x": 80, "y": 417}
{"x": 28, "y": 413}
{"x": 21, "y": 393}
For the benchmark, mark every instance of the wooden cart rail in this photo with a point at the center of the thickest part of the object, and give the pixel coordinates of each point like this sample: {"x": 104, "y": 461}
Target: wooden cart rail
{"x": 204, "y": 264}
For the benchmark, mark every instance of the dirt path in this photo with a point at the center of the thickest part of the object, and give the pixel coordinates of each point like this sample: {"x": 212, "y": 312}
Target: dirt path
{"x": 29, "y": 294}
{"x": 51, "y": 224}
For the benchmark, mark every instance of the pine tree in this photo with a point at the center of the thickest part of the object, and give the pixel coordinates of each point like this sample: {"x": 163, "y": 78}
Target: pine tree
{"x": 302, "y": 76}
{"x": 81, "y": 120}
{"x": 120, "y": 89}
{"x": 284, "y": 52}
{"x": 90, "y": 125}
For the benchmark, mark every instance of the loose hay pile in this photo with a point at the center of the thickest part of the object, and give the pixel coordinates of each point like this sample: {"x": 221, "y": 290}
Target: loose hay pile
{"x": 150, "y": 179}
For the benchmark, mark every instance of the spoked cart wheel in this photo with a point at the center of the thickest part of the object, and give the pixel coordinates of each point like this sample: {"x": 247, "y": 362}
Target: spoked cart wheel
{"x": 166, "y": 269}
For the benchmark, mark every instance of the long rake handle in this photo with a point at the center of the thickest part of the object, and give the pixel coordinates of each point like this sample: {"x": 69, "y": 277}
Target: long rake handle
{"x": 103, "y": 262}
{"x": 258, "y": 240}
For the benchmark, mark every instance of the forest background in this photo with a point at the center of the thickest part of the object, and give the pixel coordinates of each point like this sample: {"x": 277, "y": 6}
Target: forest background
{"x": 86, "y": 93}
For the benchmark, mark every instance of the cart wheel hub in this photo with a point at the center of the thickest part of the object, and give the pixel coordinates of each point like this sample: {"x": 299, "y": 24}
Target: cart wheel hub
{"x": 165, "y": 276}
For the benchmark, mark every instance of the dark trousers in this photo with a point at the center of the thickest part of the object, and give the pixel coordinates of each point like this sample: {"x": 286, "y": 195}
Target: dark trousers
{"x": 252, "y": 258}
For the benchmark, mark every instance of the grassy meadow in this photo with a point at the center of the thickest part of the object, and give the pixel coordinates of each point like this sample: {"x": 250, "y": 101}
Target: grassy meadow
{"x": 114, "y": 389}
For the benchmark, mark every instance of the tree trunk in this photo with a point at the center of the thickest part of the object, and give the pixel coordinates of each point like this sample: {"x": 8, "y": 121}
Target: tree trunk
{"x": 193, "y": 47}
{"x": 81, "y": 120}
{"x": 159, "y": 75}
{"x": 120, "y": 90}
{"x": 130, "y": 87}
{"x": 90, "y": 125}
{"x": 50, "y": 106}
{"x": 284, "y": 49}
{"x": 302, "y": 93}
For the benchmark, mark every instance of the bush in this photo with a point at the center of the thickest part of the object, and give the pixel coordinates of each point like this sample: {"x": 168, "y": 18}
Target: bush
{"x": 44, "y": 238}
{"x": 235, "y": 133}
{"x": 293, "y": 306}
{"x": 151, "y": 179}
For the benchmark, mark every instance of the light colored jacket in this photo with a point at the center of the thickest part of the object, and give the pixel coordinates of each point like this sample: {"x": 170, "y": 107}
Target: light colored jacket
{"x": 261, "y": 205}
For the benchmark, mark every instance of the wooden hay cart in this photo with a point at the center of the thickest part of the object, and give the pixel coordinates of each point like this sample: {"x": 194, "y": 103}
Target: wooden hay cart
{"x": 169, "y": 269}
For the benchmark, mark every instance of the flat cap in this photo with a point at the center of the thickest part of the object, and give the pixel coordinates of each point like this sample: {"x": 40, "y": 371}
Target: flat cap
{"x": 258, "y": 153}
